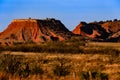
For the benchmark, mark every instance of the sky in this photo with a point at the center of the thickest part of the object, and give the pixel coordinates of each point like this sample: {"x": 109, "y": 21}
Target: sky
{"x": 70, "y": 12}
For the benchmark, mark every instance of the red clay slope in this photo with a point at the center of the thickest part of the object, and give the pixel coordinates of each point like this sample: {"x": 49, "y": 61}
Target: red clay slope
{"x": 111, "y": 26}
{"x": 35, "y": 30}
{"x": 91, "y": 30}
{"x": 101, "y": 31}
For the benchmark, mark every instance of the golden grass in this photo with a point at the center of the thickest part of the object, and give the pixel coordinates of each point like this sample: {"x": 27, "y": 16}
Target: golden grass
{"x": 104, "y": 44}
{"x": 79, "y": 62}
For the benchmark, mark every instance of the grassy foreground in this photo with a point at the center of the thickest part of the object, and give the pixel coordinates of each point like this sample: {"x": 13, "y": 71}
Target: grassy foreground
{"x": 46, "y": 66}
{"x": 67, "y": 60}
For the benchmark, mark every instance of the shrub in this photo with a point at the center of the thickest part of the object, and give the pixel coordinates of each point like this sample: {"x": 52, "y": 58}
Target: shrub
{"x": 85, "y": 75}
{"x": 24, "y": 71}
{"x": 94, "y": 75}
{"x": 62, "y": 69}
{"x": 36, "y": 69}
{"x": 9, "y": 64}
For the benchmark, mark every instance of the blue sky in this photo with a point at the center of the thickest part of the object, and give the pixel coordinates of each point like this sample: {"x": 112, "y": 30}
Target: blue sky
{"x": 70, "y": 12}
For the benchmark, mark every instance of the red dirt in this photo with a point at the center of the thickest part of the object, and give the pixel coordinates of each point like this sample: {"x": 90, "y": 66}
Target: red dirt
{"x": 35, "y": 30}
{"x": 97, "y": 30}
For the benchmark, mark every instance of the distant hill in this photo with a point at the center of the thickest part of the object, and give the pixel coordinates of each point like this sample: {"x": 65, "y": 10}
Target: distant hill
{"x": 99, "y": 31}
{"x": 34, "y": 30}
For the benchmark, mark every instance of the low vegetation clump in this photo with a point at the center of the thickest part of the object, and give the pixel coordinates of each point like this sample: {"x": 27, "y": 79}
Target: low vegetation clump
{"x": 62, "y": 68}
{"x": 93, "y": 75}
{"x": 74, "y": 45}
{"x": 69, "y": 46}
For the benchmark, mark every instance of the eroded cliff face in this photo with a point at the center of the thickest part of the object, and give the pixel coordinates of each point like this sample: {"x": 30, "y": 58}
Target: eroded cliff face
{"x": 91, "y": 30}
{"x": 35, "y": 30}
{"x": 111, "y": 27}
{"x": 105, "y": 31}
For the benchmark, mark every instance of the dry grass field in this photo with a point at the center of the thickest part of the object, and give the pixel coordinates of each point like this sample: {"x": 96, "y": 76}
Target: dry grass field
{"x": 70, "y": 60}
{"x": 46, "y": 66}
{"x": 105, "y": 44}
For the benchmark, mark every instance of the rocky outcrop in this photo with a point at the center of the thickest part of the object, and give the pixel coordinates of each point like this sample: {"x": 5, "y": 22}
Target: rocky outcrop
{"x": 35, "y": 30}
{"x": 91, "y": 30}
{"x": 101, "y": 31}
{"x": 111, "y": 27}
{"x": 114, "y": 37}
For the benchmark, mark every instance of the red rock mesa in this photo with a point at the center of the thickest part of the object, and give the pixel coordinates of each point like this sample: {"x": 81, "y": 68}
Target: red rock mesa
{"x": 35, "y": 30}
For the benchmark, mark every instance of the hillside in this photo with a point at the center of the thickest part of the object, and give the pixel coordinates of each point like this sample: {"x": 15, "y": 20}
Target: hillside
{"x": 35, "y": 30}
{"x": 100, "y": 31}
{"x": 111, "y": 26}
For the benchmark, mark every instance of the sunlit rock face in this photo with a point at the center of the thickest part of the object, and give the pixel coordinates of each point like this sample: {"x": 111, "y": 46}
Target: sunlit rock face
{"x": 105, "y": 31}
{"x": 91, "y": 30}
{"x": 35, "y": 30}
